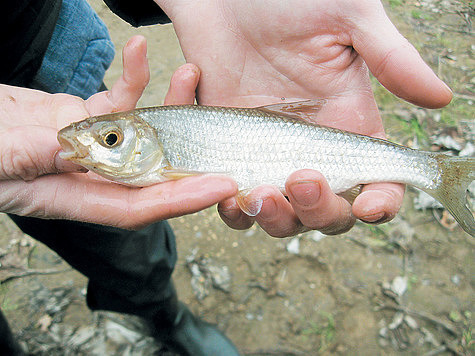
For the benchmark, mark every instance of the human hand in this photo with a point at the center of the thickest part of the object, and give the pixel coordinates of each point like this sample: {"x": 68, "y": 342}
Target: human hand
{"x": 29, "y": 165}
{"x": 254, "y": 53}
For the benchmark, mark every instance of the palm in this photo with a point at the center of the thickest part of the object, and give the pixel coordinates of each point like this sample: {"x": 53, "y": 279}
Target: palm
{"x": 259, "y": 52}
{"x": 272, "y": 53}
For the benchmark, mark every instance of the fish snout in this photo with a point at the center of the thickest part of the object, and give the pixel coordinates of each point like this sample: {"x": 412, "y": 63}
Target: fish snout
{"x": 71, "y": 147}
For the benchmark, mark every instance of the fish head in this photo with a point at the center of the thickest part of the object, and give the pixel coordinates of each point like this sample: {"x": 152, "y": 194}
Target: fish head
{"x": 121, "y": 147}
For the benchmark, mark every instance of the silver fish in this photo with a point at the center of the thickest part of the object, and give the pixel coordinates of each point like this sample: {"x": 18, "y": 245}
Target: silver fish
{"x": 257, "y": 146}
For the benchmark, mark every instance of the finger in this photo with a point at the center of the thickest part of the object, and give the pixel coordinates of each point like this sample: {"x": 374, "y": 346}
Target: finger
{"x": 233, "y": 216}
{"x": 379, "y": 202}
{"x": 107, "y": 203}
{"x": 28, "y": 152}
{"x": 177, "y": 198}
{"x": 183, "y": 85}
{"x": 316, "y": 206}
{"x": 276, "y": 215}
{"x": 396, "y": 63}
{"x": 129, "y": 87}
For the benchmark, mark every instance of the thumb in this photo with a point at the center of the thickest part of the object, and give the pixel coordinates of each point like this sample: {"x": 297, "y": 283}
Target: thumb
{"x": 396, "y": 63}
{"x": 27, "y": 152}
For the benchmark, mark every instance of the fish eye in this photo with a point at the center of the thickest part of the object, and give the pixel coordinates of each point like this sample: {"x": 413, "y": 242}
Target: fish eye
{"x": 112, "y": 139}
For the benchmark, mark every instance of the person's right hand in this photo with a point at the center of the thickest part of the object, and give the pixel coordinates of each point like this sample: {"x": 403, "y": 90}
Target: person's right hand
{"x": 34, "y": 181}
{"x": 254, "y": 53}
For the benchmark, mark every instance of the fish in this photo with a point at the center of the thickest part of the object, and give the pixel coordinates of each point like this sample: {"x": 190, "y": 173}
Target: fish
{"x": 256, "y": 146}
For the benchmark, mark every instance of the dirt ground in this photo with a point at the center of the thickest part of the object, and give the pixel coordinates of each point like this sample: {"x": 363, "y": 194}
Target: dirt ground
{"x": 405, "y": 287}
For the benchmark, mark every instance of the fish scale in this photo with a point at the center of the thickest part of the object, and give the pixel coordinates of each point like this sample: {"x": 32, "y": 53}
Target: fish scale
{"x": 256, "y": 148}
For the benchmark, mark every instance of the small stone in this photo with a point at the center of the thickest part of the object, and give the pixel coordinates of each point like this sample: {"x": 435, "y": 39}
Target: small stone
{"x": 399, "y": 285}
{"x": 397, "y": 321}
{"x": 455, "y": 279}
{"x": 294, "y": 246}
{"x": 411, "y": 322}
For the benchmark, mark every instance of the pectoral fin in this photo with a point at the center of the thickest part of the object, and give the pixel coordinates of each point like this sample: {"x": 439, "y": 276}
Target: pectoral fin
{"x": 174, "y": 174}
{"x": 351, "y": 194}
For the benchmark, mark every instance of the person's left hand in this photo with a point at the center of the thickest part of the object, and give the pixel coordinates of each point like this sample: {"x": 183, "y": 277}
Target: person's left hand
{"x": 30, "y": 183}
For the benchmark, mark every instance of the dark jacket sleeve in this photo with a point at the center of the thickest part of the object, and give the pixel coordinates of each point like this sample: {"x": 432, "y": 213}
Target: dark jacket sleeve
{"x": 138, "y": 12}
{"x": 26, "y": 27}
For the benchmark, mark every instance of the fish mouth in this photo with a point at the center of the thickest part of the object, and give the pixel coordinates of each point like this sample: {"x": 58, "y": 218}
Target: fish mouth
{"x": 72, "y": 150}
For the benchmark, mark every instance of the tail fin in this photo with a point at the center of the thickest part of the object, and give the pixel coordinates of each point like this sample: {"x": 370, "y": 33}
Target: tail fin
{"x": 457, "y": 173}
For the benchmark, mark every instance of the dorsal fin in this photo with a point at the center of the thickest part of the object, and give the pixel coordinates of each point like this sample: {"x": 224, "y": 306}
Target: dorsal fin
{"x": 306, "y": 109}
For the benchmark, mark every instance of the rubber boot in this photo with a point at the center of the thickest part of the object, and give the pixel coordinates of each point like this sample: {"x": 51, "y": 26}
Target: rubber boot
{"x": 8, "y": 346}
{"x": 176, "y": 327}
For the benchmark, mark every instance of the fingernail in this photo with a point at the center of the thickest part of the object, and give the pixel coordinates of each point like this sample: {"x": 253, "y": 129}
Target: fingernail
{"x": 253, "y": 208}
{"x": 249, "y": 206}
{"x": 305, "y": 193}
{"x": 268, "y": 209}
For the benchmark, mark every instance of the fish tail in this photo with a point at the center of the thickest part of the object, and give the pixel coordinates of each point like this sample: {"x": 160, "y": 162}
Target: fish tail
{"x": 457, "y": 173}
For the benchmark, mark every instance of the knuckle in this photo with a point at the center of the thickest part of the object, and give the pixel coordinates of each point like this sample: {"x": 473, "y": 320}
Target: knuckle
{"x": 388, "y": 58}
{"x": 128, "y": 221}
{"x": 26, "y": 202}
{"x": 383, "y": 63}
{"x": 53, "y": 100}
{"x": 17, "y": 161}
{"x": 333, "y": 222}
{"x": 24, "y": 166}
{"x": 337, "y": 226}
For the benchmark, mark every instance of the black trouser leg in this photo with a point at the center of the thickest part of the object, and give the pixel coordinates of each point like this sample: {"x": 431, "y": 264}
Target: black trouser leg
{"x": 8, "y": 346}
{"x": 128, "y": 271}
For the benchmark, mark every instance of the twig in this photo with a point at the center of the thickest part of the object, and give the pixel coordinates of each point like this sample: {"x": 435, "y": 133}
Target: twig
{"x": 451, "y": 29}
{"x": 270, "y": 291}
{"x": 464, "y": 96}
{"x": 31, "y": 272}
{"x": 274, "y": 352}
{"x": 423, "y": 315}
{"x": 444, "y": 348}
{"x": 435, "y": 352}
{"x": 358, "y": 242}
{"x": 258, "y": 286}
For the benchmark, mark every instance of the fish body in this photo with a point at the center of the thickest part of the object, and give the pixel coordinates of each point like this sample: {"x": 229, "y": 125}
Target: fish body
{"x": 257, "y": 146}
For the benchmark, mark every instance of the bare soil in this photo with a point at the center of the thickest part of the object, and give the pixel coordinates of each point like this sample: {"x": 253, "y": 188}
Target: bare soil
{"x": 405, "y": 287}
